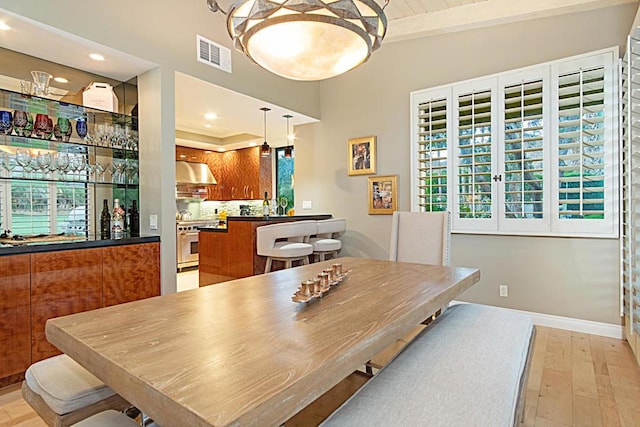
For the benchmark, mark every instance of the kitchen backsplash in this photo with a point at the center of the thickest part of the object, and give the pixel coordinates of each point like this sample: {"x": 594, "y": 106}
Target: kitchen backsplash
{"x": 207, "y": 208}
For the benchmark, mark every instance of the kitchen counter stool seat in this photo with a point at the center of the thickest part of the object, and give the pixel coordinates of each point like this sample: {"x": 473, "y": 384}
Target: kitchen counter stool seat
{"x": 62, "y": 392}
{"x": 326, "y": 240}
{"x": 288, "y": 242}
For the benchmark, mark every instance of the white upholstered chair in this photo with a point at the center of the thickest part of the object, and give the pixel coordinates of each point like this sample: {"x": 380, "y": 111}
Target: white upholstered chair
{"x": 326, "y": 241}
{"x": 62, "y": 392}
{"x": 286, "y": 241}
{"x": 420, "y": 237}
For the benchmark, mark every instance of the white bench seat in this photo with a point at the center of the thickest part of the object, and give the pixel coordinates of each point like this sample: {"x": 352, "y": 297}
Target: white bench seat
{"x": 466, "y": 369}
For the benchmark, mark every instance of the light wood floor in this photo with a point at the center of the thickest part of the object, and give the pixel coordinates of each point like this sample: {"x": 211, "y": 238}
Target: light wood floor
{"x": 575, "y": 380}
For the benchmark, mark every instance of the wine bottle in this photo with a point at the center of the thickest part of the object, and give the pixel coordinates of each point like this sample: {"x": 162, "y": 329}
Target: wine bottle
{"x": 105, "y": 220}
{"x": 265, "y": 205}
{"x": 117, "y": 220}
{"x": 134, "y": 220}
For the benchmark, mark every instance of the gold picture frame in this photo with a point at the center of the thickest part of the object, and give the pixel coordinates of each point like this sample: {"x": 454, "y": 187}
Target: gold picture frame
{"x": 383, "y": 194}
{"x": 362, "y": 155}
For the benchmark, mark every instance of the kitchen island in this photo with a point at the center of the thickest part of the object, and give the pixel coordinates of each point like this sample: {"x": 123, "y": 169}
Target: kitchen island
{"x": 230, "y": 253}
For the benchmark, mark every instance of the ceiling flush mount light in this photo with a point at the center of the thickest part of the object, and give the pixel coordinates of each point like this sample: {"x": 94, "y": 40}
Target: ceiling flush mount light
{"x": 211, "y": 116}
{"x": 265, "y": 150}
{"x": 288, "y": 150}
{"x": 306, "y": 39}
{"x": 96, "y": 57}
{"x": 61, "y": 80}
{"x": 4, "y": 26}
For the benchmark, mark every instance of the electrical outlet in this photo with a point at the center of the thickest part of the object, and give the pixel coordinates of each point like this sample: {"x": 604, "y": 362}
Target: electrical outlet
{"x": 504, "y": 291}
{"x": 306, "y": 204}
{"x": 153, "y": 222}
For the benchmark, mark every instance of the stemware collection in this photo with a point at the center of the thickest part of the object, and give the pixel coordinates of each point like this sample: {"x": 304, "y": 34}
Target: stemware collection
{"x": 44, "y": 164}
{"x": 51, "y": 165}
{"x": 22, "y": 123}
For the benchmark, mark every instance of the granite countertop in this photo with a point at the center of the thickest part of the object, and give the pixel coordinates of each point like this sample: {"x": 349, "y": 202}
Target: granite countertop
{"x": 82, "y": 242}
{"x": 279, "y": 218}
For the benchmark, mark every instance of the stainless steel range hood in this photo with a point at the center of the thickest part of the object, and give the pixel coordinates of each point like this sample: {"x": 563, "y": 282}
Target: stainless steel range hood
{"x": 189, "y": 173}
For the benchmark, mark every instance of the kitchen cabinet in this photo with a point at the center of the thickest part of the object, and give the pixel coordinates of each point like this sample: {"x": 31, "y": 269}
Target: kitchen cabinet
{"x": 62, "y": 282}
{"x": 38, "y": 284}
{"x": 15, "y": 322}
{"x": 241, "y": 174}
{"x": 130, "y": 273}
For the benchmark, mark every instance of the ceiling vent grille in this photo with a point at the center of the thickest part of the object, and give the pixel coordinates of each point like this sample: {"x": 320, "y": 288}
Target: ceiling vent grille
{"x": 213, "y": 54}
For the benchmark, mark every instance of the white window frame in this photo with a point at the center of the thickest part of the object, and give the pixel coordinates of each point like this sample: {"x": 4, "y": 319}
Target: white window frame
{"x": 550, "y": 224}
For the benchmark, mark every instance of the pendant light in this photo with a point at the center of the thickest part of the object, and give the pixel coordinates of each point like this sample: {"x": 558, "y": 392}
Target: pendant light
{"x": 288, "y": 150}
{"x": 265, "y": 151}
{"x": 306, "y": 39}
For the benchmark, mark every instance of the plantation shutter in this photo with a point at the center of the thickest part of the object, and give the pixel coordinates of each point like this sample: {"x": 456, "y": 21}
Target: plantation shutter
{"x": 474, "y": 189}
{"x": 581, "y": 139}
{"x": 432, "y": 156}
{"x": 523, "y": 150}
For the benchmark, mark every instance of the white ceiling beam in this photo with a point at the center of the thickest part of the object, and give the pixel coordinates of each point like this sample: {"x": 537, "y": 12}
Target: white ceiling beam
{"x": 486, "y": 13}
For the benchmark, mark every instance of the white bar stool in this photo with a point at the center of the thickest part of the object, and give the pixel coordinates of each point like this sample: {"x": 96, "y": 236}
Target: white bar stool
{"x": 62, "y": 392}
{"x": 326, "y": 241}
{"x": 271, "y": 242}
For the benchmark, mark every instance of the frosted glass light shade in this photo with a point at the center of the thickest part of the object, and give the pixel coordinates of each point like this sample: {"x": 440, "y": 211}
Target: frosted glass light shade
{"x": 307, "y": 39}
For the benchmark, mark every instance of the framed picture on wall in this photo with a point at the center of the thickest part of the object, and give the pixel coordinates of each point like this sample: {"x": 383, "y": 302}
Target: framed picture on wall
{"x": 383, "y": 194}
{"x": 362, "y": 156}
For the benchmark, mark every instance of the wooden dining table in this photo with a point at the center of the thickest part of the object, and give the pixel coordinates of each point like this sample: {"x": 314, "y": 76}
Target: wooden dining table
{"x": 242, "y": 352}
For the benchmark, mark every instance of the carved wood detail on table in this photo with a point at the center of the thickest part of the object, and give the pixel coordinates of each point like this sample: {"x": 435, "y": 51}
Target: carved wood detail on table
{"x": 15, "y": 318}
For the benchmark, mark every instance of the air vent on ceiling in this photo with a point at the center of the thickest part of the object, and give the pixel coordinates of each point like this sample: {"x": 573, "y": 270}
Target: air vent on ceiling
{"x": 213, "y": 54}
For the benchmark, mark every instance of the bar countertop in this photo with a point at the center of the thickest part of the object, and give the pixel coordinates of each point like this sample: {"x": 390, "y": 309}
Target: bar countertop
{"x": 82, "y": 242}
{"x": 262, "y": 219}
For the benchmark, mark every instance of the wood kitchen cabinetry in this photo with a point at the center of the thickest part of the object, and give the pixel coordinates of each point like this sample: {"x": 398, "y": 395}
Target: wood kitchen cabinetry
{"x": 241, "y": 174}
{"x": 130, "y": 273}
{"x": 15, "y": 321}
{"x": 62, "y": 283}
{"x": 41, "y": 285}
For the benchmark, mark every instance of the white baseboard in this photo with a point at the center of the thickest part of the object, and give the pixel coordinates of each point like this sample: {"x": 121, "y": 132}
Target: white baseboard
{"x": 576, "y": 325}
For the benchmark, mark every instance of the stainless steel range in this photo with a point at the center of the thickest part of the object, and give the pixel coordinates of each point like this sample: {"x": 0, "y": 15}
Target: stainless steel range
{"x": 187, "y": 241}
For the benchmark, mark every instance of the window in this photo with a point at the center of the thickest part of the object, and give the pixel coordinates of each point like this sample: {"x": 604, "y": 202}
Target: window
{"x": 532, "y": 151}
{"x": 284, "y": 180}
{"x": 32, "y": 204}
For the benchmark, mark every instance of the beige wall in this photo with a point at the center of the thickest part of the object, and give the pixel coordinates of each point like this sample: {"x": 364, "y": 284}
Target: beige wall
{"x": 568, "y": 277}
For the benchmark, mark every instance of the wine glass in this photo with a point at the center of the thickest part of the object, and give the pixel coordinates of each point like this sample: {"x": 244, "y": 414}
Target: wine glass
{"x": 100, "y": 170}
{"x": 79, "y": 164}
{"x": 23, "y": 157}
{"x": 7, "y": 164}
{"x": 62, "y": 160}
{"x": 132, "y": 171}
{"x": 121, "y": 167}
{"x": 283, "y": 203}
{"x": 43, "y": 160}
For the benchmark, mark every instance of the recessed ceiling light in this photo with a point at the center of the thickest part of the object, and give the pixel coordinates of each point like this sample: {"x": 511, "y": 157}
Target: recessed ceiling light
{"x": 182, "y": 156}
{"x": 207, "y": 126}
{"x": 211, "y": 116}
{"x": 252, "y": 144}
{"x": 222, "y": 150}
{"x": 208, "y": 151}
{"x": 61, "y": 80}
{"x": 4, "y": 26}
{"x": 96, "y": 57}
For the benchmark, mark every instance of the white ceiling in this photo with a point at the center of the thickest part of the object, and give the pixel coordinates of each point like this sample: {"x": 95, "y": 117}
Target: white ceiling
{"x": 240, "y": 121}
